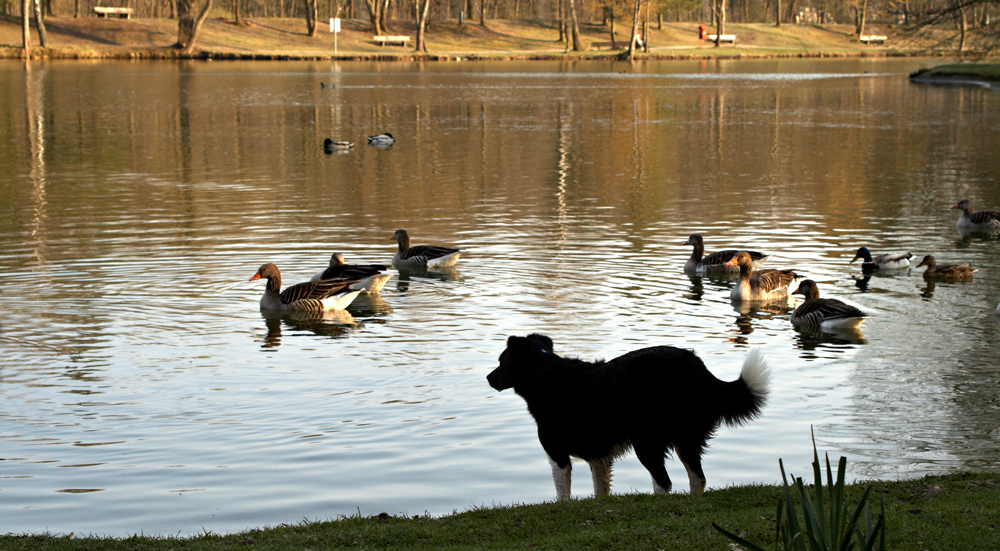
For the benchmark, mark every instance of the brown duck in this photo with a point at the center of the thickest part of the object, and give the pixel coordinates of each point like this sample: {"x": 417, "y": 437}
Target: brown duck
{"x": 946, "y": 272}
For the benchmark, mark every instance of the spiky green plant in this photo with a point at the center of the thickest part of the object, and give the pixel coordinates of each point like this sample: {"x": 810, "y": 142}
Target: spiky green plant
{"x": 827, "y": 522}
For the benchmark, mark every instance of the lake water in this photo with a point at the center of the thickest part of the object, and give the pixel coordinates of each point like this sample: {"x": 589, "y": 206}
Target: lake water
{"x": 144, "y": 392}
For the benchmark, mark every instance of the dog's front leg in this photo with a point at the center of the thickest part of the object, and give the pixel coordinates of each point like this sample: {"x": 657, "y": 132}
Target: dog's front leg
{"x": 600, "y": 471}
{"x": 562, "y": 476}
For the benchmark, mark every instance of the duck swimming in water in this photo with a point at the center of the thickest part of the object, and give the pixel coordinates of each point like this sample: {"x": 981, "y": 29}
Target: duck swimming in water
{"x": 381, "y": 139}
{"x": 890, "y": 261}
{"x": 946, "y": 272}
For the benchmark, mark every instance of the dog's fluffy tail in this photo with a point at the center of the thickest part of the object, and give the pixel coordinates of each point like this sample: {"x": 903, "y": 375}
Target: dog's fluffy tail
{"x": 745, "y": 397}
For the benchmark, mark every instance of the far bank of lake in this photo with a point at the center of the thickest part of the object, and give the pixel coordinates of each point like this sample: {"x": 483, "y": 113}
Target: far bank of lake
{"x": 278, "y": 39}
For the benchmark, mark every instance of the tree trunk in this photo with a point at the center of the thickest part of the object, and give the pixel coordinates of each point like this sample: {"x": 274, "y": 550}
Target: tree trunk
{"x": 26, "y": 28}
{"x": 962, "y": 28}
{"x": 385, "y": 16}
{"x": 721, "y": 20}
{"x": 777, "y": 14}
{"x": 859, "y": 17}
{"x": 187, "y": 25}
{"x": 630, "y": 52}
{"x": 575, "y": 27}
{"x": 422, "y": 24}
{"x": 76, "y": 9}
{"x": 312, "y": 14}
{"x": 43, "y": 37}
{"x": 375, "y": 15}
{"x": 614, "y": 45}
{"x": 561, "y": 12}
{"x": 482, "y": 12}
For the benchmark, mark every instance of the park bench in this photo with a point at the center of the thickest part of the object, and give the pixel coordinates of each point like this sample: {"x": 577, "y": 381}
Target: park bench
{"x": 122, "y": 13}
{"x": 730, "y": 38}
{"x": 383, "y": 40}
{"x": 873, "y": 39}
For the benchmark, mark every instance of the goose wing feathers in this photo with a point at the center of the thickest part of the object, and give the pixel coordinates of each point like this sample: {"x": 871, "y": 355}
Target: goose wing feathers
{"x": 720, "y": 258}
{"x": 819, "y": 309}
{"x": 312, "y": 290}
{"x": 426, "y": 251}
{"x": 769, "y": 280}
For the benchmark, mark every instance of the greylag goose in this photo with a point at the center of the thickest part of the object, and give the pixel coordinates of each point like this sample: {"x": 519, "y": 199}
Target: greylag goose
{"x": 312, "y": 296}
{"x": 827, "y": 313}
{"x": 715, "y": 262}
{"x": 946, "y": 272}
{"x": 761, "y": 285}
{"x": 420, "y": 256}
{"x": 369, "y": 276}
{"x": 889, "y": 261}
{"x": 336, "y": 145}
{"x": 988, "y": 220}
{"x": 381, "y": 139}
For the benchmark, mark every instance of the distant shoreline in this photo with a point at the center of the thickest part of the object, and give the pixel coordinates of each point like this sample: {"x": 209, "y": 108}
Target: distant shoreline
{"x": 90, "y": 38}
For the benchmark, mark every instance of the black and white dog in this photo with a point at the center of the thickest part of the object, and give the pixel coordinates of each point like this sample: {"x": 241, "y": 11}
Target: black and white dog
{"x": 651, "y": 400}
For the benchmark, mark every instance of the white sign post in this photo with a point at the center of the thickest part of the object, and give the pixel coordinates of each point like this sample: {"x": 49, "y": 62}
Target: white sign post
{"x": 335, "y": 29}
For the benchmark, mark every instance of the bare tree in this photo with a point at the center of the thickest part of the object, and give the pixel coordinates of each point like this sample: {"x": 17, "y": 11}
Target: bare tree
{"x": 629, "y": 54}
{"x": 188, "y": 24}
{"x": 423, "y": 8}
{"x": 981, "y": 36}
{"x": 377, "y": 13}
{"x": 312, "y": 15}
{"x": 720, "y": 21}
{"x": 26, "y": 28}
{"x": 43, "y": 37}
{"x": 860, "y": 15}
{"x": 574, "y": 27}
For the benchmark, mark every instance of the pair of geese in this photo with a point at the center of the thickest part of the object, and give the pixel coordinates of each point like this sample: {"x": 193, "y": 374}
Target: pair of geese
{"x": 379, "y": 140}
{"x": 336, "y": 287}
{"x": 755, "y": 284}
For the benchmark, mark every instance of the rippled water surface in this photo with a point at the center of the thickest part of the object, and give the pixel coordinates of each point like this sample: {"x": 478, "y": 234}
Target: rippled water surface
{"x": 144, "y": 392}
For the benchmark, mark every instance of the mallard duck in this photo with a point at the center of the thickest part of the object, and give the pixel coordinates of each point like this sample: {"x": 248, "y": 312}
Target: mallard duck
{"x": 419, "y": 256}
{"x": 828, "y": 313}
{"x": 336, "y": 145}
{"x": 971, "y": 219}
{"x": 321, "y": 85}
{"x": 381, "y": 139}
{"x": 369, "y": 276}
{"x": 761, "y": 285}
{"x": 314, "y": 296}
{"x": 946, "y": 272}
{"x": 715, "y": 262}
{"x": 890, "y": 261}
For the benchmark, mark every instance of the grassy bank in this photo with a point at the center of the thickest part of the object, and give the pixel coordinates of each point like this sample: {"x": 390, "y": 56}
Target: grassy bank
{"x": 222, "y": 38}
{"x": 959, "y": 511}
{"x": 963, "y": 73}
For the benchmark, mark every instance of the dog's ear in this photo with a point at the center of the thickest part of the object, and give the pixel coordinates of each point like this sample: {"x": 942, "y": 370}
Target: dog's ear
{"x": 545, "y": 341}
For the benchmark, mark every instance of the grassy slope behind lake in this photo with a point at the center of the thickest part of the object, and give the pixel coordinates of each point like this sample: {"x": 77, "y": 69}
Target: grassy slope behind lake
{"x": 89, "y": 37}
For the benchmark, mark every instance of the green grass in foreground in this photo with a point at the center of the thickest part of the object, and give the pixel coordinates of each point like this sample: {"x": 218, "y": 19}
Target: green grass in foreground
{"x": 959, "y": 511}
